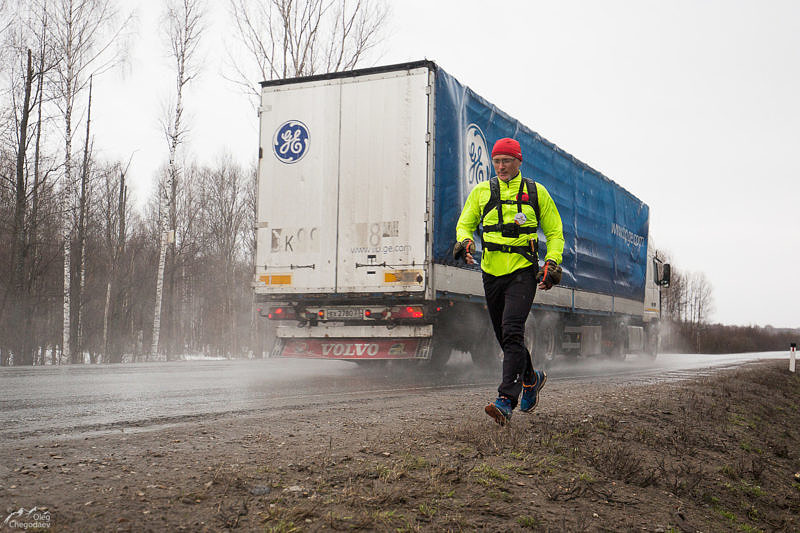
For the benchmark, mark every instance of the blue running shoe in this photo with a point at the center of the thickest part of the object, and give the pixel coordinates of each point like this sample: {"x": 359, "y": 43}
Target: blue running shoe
{"x": 530, "y": 393}
{"x": 500, "y": 410}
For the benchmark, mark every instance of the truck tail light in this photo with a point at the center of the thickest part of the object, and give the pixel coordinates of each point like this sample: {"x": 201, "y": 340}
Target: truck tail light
{"x": 407, "y": 311}
{"x": 282, "y": 313}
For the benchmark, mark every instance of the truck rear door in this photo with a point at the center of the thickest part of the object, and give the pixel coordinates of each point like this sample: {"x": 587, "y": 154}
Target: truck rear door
{"x": 382, "y": 183}
{"x": 297, "y": 189}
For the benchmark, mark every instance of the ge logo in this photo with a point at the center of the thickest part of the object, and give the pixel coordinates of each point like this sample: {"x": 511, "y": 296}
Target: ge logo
{"x": 477, "y": 157}
{"x": 290, "y": 142}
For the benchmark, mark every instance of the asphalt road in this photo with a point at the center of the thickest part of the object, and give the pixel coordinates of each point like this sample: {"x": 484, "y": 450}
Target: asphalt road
{"x": 48, "y": 402}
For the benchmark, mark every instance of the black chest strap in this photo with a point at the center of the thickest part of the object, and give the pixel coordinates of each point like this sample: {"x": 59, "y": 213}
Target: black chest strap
{"x": 496, "y": 203}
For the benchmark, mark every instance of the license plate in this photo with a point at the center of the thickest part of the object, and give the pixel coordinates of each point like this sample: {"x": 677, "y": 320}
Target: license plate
{"x": 334, "y": 314}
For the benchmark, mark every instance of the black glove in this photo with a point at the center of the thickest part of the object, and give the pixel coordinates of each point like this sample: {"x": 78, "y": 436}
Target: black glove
{"x": 549, "y": 275}
{"x": 461, "y": 249}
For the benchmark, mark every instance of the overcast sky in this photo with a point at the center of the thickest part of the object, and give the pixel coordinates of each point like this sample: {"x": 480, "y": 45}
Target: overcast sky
{"x": 693, "y": 106}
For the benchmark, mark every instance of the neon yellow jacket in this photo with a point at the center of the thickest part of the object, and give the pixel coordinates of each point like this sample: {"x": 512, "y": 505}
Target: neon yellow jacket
{"x": 500, "y": 263}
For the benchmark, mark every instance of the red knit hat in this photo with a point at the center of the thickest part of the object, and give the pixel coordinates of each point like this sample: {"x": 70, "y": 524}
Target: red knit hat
{"x": 507, "y": 146}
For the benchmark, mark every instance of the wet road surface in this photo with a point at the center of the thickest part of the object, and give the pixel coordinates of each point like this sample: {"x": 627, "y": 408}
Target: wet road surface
{"x": 80, "y": 399}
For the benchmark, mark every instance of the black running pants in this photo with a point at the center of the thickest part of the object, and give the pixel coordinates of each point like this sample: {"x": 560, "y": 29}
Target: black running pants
{"x": 509, "y": 300}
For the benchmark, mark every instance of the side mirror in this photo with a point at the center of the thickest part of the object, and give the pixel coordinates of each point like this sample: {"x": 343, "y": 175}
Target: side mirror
{"x": 665, "y": 275}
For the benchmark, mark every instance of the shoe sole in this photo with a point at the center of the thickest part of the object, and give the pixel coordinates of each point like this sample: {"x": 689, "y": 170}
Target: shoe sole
{"x": 532, "y": 407}
{"x": 496, "y": 413}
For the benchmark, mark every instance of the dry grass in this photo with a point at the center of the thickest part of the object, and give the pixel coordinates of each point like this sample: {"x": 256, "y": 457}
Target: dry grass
{"x": 713, "y": 454}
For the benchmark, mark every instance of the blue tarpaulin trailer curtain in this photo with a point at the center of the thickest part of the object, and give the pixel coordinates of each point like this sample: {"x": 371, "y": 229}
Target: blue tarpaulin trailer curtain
{"x": 605, "y": 226}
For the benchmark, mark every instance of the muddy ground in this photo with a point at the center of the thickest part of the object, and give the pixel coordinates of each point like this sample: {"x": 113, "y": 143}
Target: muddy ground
{"x": 718, "y": 453}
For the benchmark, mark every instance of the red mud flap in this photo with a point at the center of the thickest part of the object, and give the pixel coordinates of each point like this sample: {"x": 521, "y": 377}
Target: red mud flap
{"x": 336, "y": 348}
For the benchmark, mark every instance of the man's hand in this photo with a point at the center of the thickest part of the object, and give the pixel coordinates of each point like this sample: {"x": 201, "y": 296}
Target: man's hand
{"x": 549, "y": 275}
{"x": 464, "y": 250}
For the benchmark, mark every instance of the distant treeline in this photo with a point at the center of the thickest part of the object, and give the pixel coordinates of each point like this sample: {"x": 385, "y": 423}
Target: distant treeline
{"x": 719, "y": 338}
{"x": 687, "y": 303}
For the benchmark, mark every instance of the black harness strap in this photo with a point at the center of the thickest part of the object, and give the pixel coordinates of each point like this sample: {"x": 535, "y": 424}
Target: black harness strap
{"x": 524, "y": 251}
{"x": 494, "y": 198}
{"x": 533, "y": 198}
{"x": 520, "y": 230}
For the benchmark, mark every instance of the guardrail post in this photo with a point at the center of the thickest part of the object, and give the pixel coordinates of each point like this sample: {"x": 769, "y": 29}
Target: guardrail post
{"x": 791, "y": 356}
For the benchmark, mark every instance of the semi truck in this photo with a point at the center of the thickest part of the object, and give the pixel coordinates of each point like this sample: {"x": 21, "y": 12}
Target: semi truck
{"x": 361, "y": 179}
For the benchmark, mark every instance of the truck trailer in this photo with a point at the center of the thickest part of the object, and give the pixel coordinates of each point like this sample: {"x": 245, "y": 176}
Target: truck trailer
{"x": 361, "y": 179}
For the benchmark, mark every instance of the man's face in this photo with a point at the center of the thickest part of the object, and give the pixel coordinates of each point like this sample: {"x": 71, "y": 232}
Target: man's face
{"x": 505, "y": 166}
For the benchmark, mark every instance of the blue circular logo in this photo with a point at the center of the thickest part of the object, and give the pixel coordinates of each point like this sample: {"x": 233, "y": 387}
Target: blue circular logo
{"x": 290, "y": 142}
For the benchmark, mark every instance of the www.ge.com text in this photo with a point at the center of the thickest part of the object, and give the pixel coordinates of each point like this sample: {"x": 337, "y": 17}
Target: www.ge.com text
{"x": 386, "y": 249}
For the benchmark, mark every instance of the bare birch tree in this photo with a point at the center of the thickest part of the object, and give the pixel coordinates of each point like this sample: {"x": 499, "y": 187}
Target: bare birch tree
{"x": 184, "y": 27}
{"x": 286, "y": 38}
{"x": 84, "y": 33}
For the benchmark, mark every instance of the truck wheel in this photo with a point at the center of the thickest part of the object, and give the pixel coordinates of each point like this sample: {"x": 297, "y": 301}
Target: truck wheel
{"x": 652, "y": 342}
{"x": 441, "y": 348}
{"x": 541, "y": 341}
{"x": 618, "y": 343}
{"x": 268, "y": 338}
{"x": 485, "y": 352}
{"x": 618, "y": 352}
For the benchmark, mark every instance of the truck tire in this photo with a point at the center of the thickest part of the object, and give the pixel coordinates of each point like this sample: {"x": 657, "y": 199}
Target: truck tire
{"x": 485, "y": 351}
{"x": 267, "y": 336}
{"x": 541, "y": 340}
{"x": 441, "y": 348}
{"x": 619, "y": 342}
{"x": 618, "y": 352}
{"x": 652, "y": 342}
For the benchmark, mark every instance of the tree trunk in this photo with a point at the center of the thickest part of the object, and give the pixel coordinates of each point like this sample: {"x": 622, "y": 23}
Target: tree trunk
{"x": 82, "y": 215}
{"x": 159, "y": 293}
{"x": 23, "y": 353}
{"x": 65, "y": 349}
{"x": 105, "y": 319}
{"x": 172, "y": 212}
{"x": 113, "y": 303}
{"x": 21, "y": 189}
{"x": 34, "y": 218}
{"x": 171, "y": 318}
